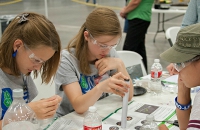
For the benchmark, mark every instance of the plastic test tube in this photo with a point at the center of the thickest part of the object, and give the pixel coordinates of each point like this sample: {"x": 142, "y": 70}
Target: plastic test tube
{"x": 125, "y": 107}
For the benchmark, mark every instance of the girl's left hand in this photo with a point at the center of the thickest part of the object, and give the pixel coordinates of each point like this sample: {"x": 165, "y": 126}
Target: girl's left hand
{"x": 122, "y": 13}
{"x": 106, "y": 64}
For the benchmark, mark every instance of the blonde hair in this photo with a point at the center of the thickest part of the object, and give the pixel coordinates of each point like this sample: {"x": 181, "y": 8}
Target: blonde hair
{"x": 101, "y": 21}
{"x": 35, "y": 31}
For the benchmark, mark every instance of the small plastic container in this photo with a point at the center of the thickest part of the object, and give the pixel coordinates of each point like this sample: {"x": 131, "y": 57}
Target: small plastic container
{"x": 149, "y": 124}
{"x": 92, "y": 120}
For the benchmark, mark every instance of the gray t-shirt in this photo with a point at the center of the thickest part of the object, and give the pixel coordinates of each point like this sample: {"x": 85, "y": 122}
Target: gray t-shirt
{"x": 8, "y": 83}
{"x": 69, "y": 72}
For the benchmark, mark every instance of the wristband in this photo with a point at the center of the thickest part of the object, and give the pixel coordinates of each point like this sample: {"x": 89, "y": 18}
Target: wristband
{"x": 182, "y": 107}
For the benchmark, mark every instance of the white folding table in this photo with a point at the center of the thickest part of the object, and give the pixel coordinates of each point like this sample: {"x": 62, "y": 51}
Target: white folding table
{"x": 162, "y": 21}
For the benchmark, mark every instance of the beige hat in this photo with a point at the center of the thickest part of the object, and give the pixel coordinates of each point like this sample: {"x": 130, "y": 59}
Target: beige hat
{"x": 186, "y": 47}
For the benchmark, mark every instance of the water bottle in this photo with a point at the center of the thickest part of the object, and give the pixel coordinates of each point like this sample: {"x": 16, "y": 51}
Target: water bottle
{"x": 19, "y": 115}
{"x": 156, "y": 73}
{"x": 149, "y": 123}
{"x": 92, "y": 120}
{"x": 156, "y": 70}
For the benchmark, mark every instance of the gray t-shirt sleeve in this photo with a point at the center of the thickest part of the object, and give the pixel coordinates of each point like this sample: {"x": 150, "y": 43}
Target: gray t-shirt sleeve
{"x": 66, "y": 72}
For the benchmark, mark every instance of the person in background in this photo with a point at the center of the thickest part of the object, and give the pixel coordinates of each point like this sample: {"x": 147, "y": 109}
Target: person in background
{"x": 94, "y": 1}
{"x": 30, "y": 44}
{"x": 90, "y": 67}
{"x": 125, "y": 21}
{"x": 192, "y": 16}
{"x": 185, "y": 56}
{"x": 138, "y": 13}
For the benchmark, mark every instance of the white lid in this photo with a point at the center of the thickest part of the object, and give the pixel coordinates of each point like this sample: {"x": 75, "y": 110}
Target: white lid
{"x": 149, "y": 118}
{"x": 18, "y": 93}
{"x": 156, "y": 60}
{"x": 92, "y": 109}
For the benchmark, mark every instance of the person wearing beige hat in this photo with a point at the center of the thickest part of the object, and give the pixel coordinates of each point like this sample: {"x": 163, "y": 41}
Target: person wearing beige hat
{"x": 192, "y": 16}
{"x": 185, "y": 56}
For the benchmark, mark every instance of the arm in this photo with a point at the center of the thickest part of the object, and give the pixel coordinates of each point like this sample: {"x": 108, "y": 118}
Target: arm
{"x": 0, "y": 124}
{"x": 45, "y": 108}
{"x": 131, "y": 6}
{"x": 81, "y": 102}
{"x": 183, "y": 98}
{"x": 109, "y": 63}
{"x": 191, "y": 15}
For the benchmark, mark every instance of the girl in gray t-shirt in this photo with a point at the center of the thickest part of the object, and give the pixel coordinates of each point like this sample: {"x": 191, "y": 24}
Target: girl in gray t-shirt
{"x": 29, "y": 43}
{"x": 89, "y": 66}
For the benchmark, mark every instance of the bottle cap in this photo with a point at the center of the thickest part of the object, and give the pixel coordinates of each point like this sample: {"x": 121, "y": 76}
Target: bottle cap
{"x": 18, "y": 93}
{"x": 149, "y": 118}
{"x": 92, "y": 108}
{"x": 156, "y": 60}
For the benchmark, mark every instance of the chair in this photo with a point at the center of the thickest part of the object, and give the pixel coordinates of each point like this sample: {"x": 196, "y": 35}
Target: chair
{"x": 44, "y": 90}
{"x": 131, "y": 58}
{"x": 171, "y": 34}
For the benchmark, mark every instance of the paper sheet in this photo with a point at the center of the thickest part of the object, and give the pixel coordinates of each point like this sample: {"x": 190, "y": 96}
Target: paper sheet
{"x": 137, "y": 113}
{"x": 66, "y": 124}
{"x": 172, "y": 79}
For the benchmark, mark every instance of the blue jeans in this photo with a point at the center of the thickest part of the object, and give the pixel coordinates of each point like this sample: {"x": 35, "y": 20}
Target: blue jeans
{"x": 125, "y": 26}
{"x": 94, "y": 1}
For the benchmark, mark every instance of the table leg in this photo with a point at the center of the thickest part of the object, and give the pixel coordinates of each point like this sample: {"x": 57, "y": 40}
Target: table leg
{"x": 46, "y": 8}
{"x": 163, "y": 23}
{"x": 158, "y": 28}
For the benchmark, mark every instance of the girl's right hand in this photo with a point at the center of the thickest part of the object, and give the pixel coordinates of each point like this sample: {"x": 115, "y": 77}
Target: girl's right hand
{"x": 45, "y": 108}
{"x": 171, "y": 69}
{"x": 114, "y": 84}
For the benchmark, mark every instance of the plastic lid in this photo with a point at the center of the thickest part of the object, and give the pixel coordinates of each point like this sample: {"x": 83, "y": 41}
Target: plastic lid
{"x": 18, "y": 93}
{"x": 149, "y": 118}
{"x": 92, "y": 108}
{"x": 156, "y": 60}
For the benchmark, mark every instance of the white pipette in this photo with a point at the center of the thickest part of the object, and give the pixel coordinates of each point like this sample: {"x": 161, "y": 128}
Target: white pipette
{"x": 125, "y": 107}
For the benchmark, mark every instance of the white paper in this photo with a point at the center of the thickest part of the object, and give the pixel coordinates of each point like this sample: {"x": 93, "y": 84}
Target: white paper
{"x": 138, "y": 111}
{"x": 172, "y": 79}
{"x": 66, "y": 124}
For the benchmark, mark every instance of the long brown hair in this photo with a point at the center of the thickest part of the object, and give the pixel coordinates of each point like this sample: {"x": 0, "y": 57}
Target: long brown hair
{"x": 35, "y": 31}
{"x": 101, "y": 21}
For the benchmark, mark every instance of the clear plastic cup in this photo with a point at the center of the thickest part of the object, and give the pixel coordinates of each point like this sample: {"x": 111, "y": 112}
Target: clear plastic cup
{"x": 155, "y": 87}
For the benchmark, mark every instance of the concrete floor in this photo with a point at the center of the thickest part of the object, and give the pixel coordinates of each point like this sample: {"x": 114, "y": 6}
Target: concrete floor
{"x": 69, "y": 15}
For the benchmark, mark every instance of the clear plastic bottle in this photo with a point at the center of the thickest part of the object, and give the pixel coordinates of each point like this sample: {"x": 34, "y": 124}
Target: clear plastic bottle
{"x": 19, "y": 115}
{"x": 92, "y": 120}
{"x": 156, "y": 70}
{"x": 149, "y": 123}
